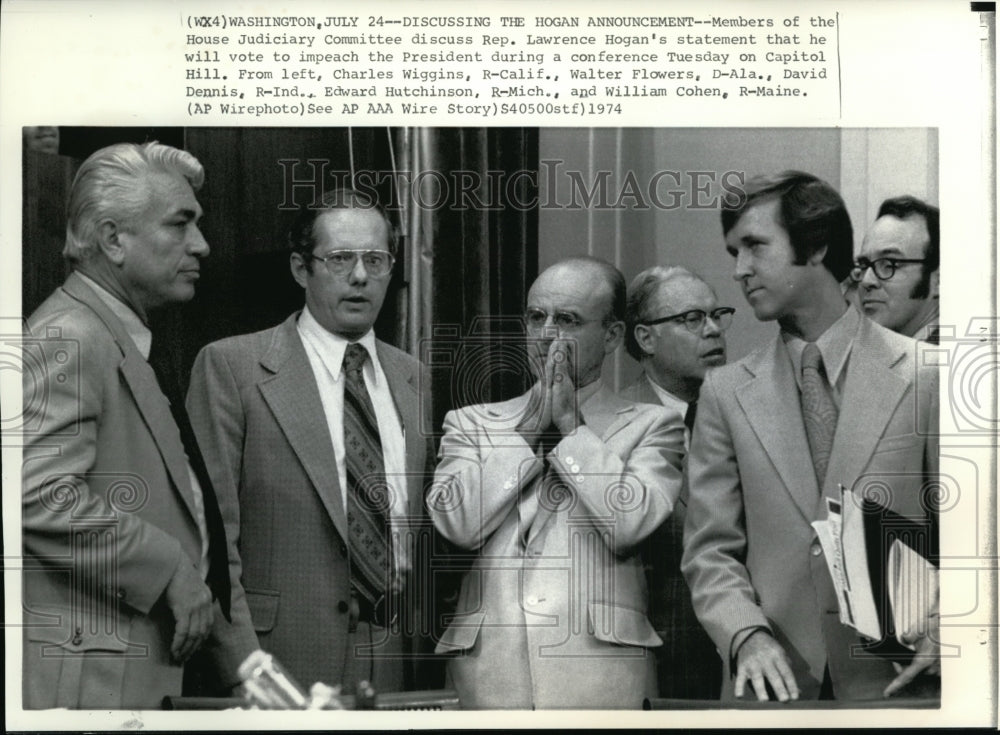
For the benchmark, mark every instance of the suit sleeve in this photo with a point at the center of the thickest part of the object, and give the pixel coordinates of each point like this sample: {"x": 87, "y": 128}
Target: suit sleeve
{"x": 636, "y": 493}
{"x": 715, "y": 539}
{"x": 72, "y": 379}
{"x": 216, "y": 412}
{"x": 479, "y": 479}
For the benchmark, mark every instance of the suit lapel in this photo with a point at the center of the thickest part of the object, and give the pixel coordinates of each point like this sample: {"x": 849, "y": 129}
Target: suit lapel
{"x": 405, "y": 393}
{"x": 872, "y": 390}
{"x": 149, "y": 399}
{"x": 771, "y": 404}
{"x": 293, "y": 397}
{"x": 605, "y": 414}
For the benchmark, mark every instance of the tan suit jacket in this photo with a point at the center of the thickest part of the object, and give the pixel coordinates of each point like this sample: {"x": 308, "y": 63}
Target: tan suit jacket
{"x": 553, "y": 612}
{"x": 750, "y": 556}
{"x": 256, "y": 408}
{"x": 108, "y": 513}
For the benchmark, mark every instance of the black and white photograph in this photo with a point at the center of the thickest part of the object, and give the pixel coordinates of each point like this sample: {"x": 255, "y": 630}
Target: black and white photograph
{"x": 667, "y": 423}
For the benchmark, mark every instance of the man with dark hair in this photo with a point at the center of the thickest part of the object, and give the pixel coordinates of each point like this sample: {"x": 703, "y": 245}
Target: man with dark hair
{"x": 675, "y": 329}
{"x": 313, "y": 434}
{"x": 897, "y": 270}
{"x": 124, "y": 547}
{"x": 554, "y": 491}
{"x": 834, "y": 401}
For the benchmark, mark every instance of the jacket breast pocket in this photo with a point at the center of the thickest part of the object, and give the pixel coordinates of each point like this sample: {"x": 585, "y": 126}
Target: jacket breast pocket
{"x": 263, "y": 606}
{"x": 622, "y": 626}
{"x": 76, "y": 660}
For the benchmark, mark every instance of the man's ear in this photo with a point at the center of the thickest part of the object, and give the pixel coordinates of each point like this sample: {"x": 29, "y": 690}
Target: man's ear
{"x": 643, "y": 334}
{"x": 935, "y": 284}
{"x": 299, "y": 267}
{"x": 816, "y": 258}
{"x": 613, "y": 335}
{"x": 110, "y": 242}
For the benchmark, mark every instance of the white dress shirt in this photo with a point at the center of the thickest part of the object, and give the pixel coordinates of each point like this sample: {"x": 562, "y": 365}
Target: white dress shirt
{"x": 325, "y": 351}
{"x": 143, "y": 339}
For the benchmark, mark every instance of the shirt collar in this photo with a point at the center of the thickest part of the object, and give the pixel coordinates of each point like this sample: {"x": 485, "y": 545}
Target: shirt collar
{"x": 330, "y": 347}
{"x": 834, "y": 345}
{"x": 139, "y": 332}
{"x": 666, "y": 397}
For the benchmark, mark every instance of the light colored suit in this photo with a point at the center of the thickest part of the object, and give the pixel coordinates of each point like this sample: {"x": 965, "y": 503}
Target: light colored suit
{"x": 751, "y": 557}
{"x": 256, "y": 408}
{"x": 687, "y": 663}
{"x": 553, "y": 612}
{"x": 108, "y": 513}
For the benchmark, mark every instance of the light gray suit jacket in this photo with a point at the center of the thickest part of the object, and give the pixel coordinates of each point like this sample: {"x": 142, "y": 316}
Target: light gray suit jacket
{"x": 256, "y": 408}
{"x": 751, "y": 556}
{"x": 553, "y": 612}
{"x": 108, "y": 513}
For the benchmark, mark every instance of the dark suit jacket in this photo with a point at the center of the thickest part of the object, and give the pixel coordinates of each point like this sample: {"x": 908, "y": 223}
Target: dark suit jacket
{"x": 108, "y": 513}
{"x": 256, "y": 409}
{"x": 688, "y": 666}
{"x": 751, "y": 556}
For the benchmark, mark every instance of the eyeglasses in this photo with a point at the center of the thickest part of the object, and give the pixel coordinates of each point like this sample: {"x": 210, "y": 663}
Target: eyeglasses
{"x": 885, "y": 268}
{"x": 339, "y": 262}
{"x": 563, "y": 320}
{"x": 694, "y": 319}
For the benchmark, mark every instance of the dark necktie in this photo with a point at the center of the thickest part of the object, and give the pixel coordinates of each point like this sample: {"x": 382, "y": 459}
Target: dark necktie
{"x": 218, "y": 555}
{"x": 819, "y": 412}
{"x": 368, "y": 494}
{"x": 689, "y": 415}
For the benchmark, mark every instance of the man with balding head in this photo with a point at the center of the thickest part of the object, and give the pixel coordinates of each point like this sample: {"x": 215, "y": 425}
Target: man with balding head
{"x": 555, "y": 491}
{"x": 675, "y": 329}
{"x": 897, "y": 270}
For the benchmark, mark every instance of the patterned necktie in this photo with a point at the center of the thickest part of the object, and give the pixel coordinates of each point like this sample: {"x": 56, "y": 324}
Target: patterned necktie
{"x": 368, "y": 494}
{"x": 818, "y": 410}
{"x": 218, "y": 553}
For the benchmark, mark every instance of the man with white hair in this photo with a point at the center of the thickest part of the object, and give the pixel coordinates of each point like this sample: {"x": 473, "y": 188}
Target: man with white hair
{"x": 124, "y": 546}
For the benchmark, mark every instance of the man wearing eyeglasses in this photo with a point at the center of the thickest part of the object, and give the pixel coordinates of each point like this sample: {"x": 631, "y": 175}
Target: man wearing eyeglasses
{"x": 897, "y": 270}
{"x": 675, "y": 328}
{"x": 833, "y": 401}
{"x": 554, "y": 491}
{"x": 312, "y": 432}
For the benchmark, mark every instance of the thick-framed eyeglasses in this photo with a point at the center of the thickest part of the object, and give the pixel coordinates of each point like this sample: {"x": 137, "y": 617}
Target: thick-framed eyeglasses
{"x": 884, "y": 268}
{"x": 694, "y": 320}
{"x": 564, "y": 321}
{"x": 339, "y": 262}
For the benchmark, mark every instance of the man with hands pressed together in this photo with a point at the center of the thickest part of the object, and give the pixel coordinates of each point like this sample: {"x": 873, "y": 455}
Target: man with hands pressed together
{"x": 554, "y": 490}
{"x": 834, "y": 399}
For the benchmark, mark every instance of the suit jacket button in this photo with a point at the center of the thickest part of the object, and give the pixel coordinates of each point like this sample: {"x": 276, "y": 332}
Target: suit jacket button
{"x": 343, "y": 549}
{"x": 816, "y": 550}
{"x": 342, "y": 606}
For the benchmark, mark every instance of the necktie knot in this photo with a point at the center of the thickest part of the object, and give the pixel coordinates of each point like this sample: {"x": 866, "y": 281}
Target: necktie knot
{"x": 354, "y": 359}
{"x": 812, "y": 358}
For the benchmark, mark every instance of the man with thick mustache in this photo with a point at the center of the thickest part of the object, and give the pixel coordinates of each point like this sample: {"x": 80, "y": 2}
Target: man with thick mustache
{"x": 313, "y": 437}
{"x": 833, "y": 400}
{"x": 554, "y": 491}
